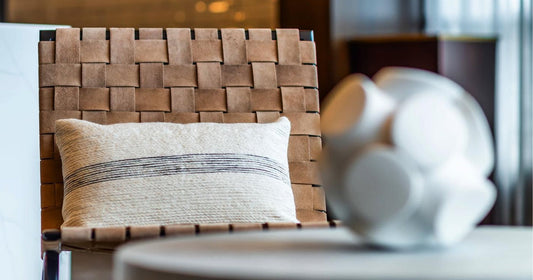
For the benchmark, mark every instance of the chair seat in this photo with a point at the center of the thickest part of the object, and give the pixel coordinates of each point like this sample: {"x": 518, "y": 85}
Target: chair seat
{"x": 107, "y": 239}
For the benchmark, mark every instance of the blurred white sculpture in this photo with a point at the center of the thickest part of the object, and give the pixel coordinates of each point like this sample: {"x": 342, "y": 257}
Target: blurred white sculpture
{"x": 406, "y": 158}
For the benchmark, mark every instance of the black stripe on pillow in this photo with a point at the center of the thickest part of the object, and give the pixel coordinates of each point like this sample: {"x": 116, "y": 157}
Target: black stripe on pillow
{"x": 175, "y": 165}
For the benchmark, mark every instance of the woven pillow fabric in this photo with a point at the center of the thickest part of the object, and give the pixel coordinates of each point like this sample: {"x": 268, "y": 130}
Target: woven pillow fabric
{"x": 165, "y": 173}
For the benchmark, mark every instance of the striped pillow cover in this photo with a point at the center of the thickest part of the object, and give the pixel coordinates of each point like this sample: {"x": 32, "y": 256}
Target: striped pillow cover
{"x": 164, "y": 173}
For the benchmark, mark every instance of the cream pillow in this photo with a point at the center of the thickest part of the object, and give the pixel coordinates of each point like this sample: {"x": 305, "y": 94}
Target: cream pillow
{"x": 165, "y": 173}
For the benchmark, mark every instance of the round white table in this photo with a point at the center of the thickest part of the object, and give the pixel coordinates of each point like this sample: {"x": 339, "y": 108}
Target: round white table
{"x": 487, "y": 253}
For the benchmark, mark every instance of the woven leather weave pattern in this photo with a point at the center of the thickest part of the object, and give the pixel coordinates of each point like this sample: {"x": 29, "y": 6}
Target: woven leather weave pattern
{"x": 226, "y": 79}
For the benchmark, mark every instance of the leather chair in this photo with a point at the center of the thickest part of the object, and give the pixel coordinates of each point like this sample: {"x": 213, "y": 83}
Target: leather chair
{"x": 181, "y": 76}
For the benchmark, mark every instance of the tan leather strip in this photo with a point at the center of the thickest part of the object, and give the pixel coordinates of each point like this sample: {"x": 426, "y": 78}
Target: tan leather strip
{"x": 122, "y": 117}
{"x": 66, "y": 98}
{"x": 76, "y": 234}
{"x": 94, "y": 46}
{"x": 206, "y": 50}
{"x": 51, "y": 218}
{"x": 206, "y": 34}
{"x": 315, "y": 147}
{"x": 297, "y": 75}
{"x": 68, "y": 75}
{"x": 179, "y": 46}
{"x": 277, "y": 226}
{"x": 247, "y": 227}
{"x": 59, "y": 75}
{"x": 94, "y": 51}
{"x": 233, "y": 46}
{"x": 150, "y": 33}
{"x": 171, "y": 230}
{"x": 261, "y": 51}
{"x": 266, "y": 100}
{"x": 122, "y": 99}
{"x": 99, "y": 117}
{"x": 216, "y": 117}
{"x": 182, "y": 117}
{"x": 179, "y": 76}
{"x": 56, "y": 150}
{"x": 59, "y": 194}
{"x": 264, "y": 75}
{"x": 152, "y": 116}
{"x": 182, "y": 100}
{"x": 141, "y": 232}
{"x": 208, "y": 100}
{"x": 51, "y": 171}
{"x": 240, "y": 118}
{"x": 48, "y": 197}
{"x": 209, "y": 75}
{"x": 213, "y": 228}
{"x": 304, "y": 172}
{"x": 151, "y": 75}
{"x": 238, "y": 99}
{"x": 46, "y": 99}
{"x": 299, "y": 148}
{"x": 47, "y": 75}
{"x": 312, "y": 100}
{"x": 93, "y": 75}
{"x": 110, "y": 234}
{"x": 236, "y": 75}
{"x": 266, "y": 117}
{"x": 260, "y": 34}
{"x": 308, "y": 52}
{"x": 152, "y": 99}
{"x": 122, "y": 45}
{"x": 122, "y": 75}
{"x": 47, "y": 52}
{"x": 151, "y": 51}
{"x": 46, "y": 146}
{"x": 93, "y": 34}
{"x": 261, "y": 47}
{"x": 288, "y": 46}
{"x": 94, "y": 99}
{"x": 68, "y": 45}
{"x": 303, "y": 195}
{"x": 319, "y": 199}
{"x": 293, "y": 99}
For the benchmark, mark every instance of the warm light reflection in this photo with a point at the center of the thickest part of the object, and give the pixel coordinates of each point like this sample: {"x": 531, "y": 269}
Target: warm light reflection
{"x": 200, "y": 6}
{"x": 239, "y": 16}
{"x": 219, "y": 7}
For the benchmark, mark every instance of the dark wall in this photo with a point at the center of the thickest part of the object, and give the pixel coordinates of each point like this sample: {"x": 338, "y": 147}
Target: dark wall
{"x": 337, "y": 21}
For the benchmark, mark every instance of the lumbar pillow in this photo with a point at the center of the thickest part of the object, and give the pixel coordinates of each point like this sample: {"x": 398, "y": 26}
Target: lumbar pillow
{"x": 166, "y": 173}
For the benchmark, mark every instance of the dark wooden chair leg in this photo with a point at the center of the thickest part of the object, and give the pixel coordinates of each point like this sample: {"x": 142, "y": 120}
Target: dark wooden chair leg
{"x": 51, "y": 265}
{"x": 51, "y": 257}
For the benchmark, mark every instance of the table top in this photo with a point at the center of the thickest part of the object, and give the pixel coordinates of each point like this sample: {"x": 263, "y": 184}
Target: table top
{"x": 489, "y": 252}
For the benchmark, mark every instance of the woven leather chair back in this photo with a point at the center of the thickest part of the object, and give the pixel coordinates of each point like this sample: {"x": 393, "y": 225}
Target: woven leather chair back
{"x": 175, "y": 75}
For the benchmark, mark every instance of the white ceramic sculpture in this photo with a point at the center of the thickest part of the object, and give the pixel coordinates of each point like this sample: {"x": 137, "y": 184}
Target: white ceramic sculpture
{"x": 407, "y": 158}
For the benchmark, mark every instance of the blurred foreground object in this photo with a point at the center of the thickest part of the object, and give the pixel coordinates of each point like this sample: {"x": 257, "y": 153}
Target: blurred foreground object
{"x": 407, "y": 158}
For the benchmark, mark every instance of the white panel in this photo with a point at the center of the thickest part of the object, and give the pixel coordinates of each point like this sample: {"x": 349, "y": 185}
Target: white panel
{"x": 19, "y": 152}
